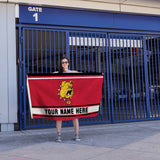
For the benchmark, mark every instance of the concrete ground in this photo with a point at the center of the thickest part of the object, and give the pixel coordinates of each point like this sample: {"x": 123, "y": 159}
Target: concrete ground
{"x": 121, "y": 141}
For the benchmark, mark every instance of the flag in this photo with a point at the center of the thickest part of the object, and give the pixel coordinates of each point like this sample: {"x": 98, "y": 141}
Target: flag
{"x": 64, "y": 96}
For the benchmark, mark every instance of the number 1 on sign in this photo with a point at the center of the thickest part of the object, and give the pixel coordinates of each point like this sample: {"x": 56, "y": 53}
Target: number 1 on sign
{"x": 36, "y": 16}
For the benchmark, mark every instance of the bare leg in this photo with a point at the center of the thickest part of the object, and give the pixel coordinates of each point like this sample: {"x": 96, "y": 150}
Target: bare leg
{"x": 59, "y": 127}
{"x": 76, "y": 126}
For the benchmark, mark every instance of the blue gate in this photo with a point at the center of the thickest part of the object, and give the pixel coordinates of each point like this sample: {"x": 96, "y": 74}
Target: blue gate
{"x": 88, "y": 53}
{"x": 129, "y": 61}
{"x": 40, "y": 51}
{"x": 134, "y": 76}
{"x": 153, "y": 66}
{"x": 128, "y": 73}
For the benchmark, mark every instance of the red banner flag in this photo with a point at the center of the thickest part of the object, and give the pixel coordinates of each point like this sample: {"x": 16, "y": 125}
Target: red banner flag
{"x": 64, "y": 96}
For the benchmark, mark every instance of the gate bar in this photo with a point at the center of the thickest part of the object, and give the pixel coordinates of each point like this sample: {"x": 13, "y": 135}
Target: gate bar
{"x": 146, "y": 77}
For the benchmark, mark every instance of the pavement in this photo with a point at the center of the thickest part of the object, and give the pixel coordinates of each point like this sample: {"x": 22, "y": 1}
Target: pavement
{"x": 120, "y": 141}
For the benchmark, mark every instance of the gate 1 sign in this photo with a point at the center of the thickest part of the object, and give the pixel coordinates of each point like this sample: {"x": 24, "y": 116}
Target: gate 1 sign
{"x": 81, "y": 18}
{"x": 59, "y": 16}
{"x": 64, "y": 96}
{"x": 31, "y": 14}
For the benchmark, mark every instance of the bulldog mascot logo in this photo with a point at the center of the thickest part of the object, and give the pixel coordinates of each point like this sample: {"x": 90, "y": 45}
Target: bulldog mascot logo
{"x": 66, "y": 91}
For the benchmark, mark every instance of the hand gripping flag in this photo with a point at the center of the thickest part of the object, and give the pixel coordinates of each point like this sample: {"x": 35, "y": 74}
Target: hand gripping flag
{"x": 64, "y": 96}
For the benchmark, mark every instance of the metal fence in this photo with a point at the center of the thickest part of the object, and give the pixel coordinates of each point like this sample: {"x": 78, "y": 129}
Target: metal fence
{"x": 153, "y": 66}
{"x": 129, "y": 61}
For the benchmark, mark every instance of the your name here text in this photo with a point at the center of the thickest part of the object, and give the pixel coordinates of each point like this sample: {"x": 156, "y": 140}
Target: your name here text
{"x": 66, "y": 111}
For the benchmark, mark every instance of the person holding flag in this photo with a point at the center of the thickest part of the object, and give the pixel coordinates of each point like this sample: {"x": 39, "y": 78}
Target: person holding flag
{"x": 64, "y": 68}
{"x": 67, "y": 96}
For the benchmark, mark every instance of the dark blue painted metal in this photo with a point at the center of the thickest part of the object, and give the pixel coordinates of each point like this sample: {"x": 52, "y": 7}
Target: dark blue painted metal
{"x": 158, "y": 72}
{"x": 129, "y": 71}
{"x": 86, "y": 48}
{"x": 67, "y": 45}
{"x": 21, "y": 113}
{"x": 154, "y": 74}
{"x": 133, "y": 75}
{"x": 110, "y": 79}
{"x": 106, "y": 77}
{"x": 24, "y": 79}
{"x": 143, "y": 84}
{"x": 71, "y": 17}
{"x": 54, "y": 52}
{"x": 82, "y": 30}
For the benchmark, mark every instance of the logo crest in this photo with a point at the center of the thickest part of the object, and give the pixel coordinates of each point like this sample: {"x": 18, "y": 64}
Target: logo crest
{"x": 66, "y": 91}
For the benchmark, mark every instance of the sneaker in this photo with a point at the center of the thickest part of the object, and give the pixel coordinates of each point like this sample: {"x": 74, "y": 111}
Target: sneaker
{"x": 58, "y": 139}
{"x": 77, "y": 138}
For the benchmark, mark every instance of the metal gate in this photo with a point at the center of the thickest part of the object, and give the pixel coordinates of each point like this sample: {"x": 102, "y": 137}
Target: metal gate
{"x": 130, "y": 63}
{"x": 134, "y": 76}
{"x": 153, "y": 66}
{"x": 40, "y": 51}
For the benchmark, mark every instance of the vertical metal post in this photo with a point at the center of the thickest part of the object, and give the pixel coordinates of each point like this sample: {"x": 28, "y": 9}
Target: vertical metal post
{"x": 109, "y": 85}
{"x": 110, "y": 69}
{"x": 68, "y": 55}
{"x": 67, "y": 46}
{"x": 146, "y": 77}
{"x": 20, "y": 80}
{"x": 133, "y": 86}
{"x": 24, "y": 79}
{"x": 158, "y": 70}
{"x": 54, "y": 50}
{"x": 84, "y": 52}
{"x": 142, "y": 74}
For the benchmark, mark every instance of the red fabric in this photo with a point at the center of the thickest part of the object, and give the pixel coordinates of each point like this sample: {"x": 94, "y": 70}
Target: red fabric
{"x": 44, "y": 92}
